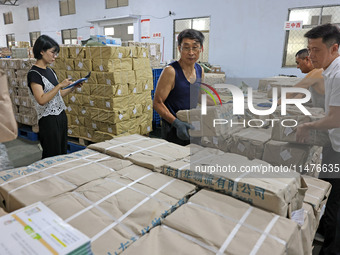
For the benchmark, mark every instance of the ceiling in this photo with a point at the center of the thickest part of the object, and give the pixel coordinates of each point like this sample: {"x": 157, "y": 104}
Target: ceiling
{"x": 9, "y": 2}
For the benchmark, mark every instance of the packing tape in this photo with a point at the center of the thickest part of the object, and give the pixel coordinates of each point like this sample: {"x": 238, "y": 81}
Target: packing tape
{"x": 39, "y": 171}
{"x": 126, "y": 228}
{"x": 106, "y": 197}
{"x": 54, "y": 175}
{"x": 264, "y": 233}
{"x": 130, "y": 211}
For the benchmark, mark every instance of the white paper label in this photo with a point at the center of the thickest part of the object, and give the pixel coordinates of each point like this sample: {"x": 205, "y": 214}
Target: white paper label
{"x": 215, "y": 140}
{"x": 197, "y": 125}
{"x": 152, "y": 50}
{"x": 148, "y": 128}
{"x": 285, "y": 155}
{"x": 91, "y": 102}
{"x": 121, "y": 116}
{"x": 16, "y": 100}
{"x": 77, "y": 121}
{"x": 146, "y": 86}
{"x": 119, "y": 92}
{"x": 120, "y": 55}
{"x": 108, "y": 81}
{"x": 69, "y": 131}
{"x": 134, "y": 90}
{"x": 69, "y": 108}
{"x": 149, "y": 107}
{"x": 101, "y": 68}
{"x": 25, "y": 119}
{"x": 157, "y": 57}
{"x": 107, "y": 104}
{"x": 109, "y": 130}
{"x": 241, "y": 147}
{"x": 77, "y": 51}
{"x": 80, "y": 65}
{"x": 134, "y": 111}
{"x": 24, "y": 103}
{"x": 144, "y": 54}
{"x": 68, "y": 68}
{"x": 79, "y": 90}
{"x": 10, "y": 91}
{"x": 94, "y": 125}
{"x": 288, "y": 130}
{"x": 24, "y": 83}
{"x": 83, "y": 112}
{"x": 73, "y": 98}
{"x": 298, "y": 216}
{"x": 89, "y": 135}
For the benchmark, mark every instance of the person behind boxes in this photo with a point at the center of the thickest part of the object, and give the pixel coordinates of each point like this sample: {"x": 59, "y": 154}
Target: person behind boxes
{"x": 323, "y": 46}
{"x": 312, "y": 81}
{"x": 46, "y": 93}
{"x": 178, "y": 87}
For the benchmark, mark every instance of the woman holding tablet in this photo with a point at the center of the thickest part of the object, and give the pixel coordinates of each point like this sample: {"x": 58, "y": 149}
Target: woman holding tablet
{"x": 47, "y": 96}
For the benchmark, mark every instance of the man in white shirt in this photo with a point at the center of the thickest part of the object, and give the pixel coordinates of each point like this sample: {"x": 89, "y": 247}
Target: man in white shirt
{"x": 323, "y": 47}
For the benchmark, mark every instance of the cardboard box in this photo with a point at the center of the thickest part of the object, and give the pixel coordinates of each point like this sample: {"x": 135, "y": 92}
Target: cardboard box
{"x": 117, "y": 77}
{"x": 250, "y": 142}
{"x": 264, "y": 84}
{"x": 119, "y": 209}
{"x": 108, "y": 52}
{"x": 212, "y": 223}
{"x": 204, "y": 124}
{"x": 317, "y": 195}
{"x": 53, "y": 176}
{"x": 109, "y": 116}
{"x": 140, "y": 63}
{"x": 256, "y": 182}
{"x": 102, "y": 90}
{"x": 144, "y": 74}
{"x": 83, "y": 65}
{"x": 288, "y": 134}
{"x": 143, "y": 151}
{"x": 308, "y": 229}
{"x": 111, "y": 65}
{"x": 77, "y": 52}
{"x": 287, "y": 154}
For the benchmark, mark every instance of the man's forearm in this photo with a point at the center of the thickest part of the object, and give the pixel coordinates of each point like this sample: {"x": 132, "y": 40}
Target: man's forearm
{"x": 164, "y": 112}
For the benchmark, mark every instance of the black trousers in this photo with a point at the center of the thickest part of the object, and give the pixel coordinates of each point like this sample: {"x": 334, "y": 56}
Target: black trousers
{"x": 53, "y": 135}
{"x": 331, "y": 219}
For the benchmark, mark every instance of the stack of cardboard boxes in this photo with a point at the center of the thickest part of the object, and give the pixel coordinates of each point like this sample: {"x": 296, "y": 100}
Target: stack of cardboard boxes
{"x": 16, "y": 71}
{"x": 154, "y": 50}
{"x": 116, "y": 99}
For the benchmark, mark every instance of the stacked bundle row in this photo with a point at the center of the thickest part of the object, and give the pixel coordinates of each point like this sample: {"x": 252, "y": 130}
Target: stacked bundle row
{"x": 116, "y": 99}
{"x": 16, "y": 71}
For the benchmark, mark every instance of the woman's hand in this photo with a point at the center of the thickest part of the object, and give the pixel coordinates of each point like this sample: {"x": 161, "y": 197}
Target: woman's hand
{"x": 65, "y": 83}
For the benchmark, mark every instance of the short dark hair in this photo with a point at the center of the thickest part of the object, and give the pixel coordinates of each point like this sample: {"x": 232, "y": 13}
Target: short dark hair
{"x": 329, "y": 33}
{"x": 44, "y": 43}
{"x": 302, "y": 53}
{"x": 191, "y": 34}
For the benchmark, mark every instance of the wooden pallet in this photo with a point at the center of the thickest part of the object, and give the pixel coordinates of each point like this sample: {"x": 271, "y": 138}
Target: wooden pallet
{"x": 80, "y": 141}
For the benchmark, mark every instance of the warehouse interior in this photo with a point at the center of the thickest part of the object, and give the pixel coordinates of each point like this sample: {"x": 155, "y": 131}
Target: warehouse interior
{"x": 242, "y": 183}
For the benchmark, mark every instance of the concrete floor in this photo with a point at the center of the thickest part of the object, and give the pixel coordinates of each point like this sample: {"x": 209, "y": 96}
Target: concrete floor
{"x": 22, "y": 152}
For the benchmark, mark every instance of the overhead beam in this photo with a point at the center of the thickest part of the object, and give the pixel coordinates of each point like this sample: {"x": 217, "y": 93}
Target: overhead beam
{"x": 9, "y": 2}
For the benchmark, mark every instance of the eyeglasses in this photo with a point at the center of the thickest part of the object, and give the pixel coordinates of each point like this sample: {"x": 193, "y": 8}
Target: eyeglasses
{"x": 54, "y": 53}
{"x": 188, "y": 49}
